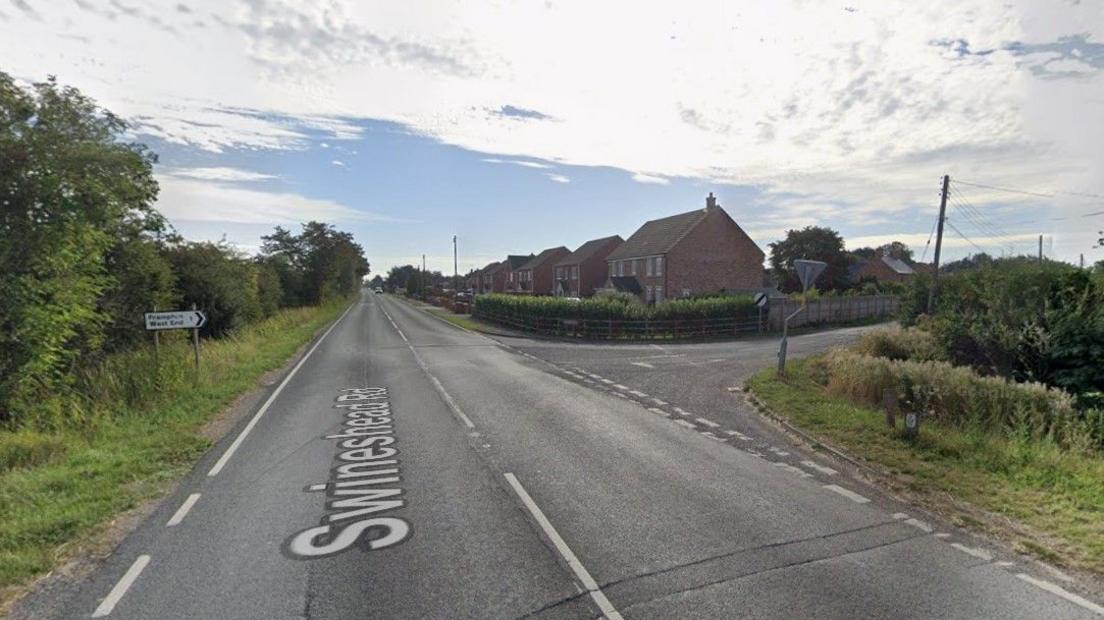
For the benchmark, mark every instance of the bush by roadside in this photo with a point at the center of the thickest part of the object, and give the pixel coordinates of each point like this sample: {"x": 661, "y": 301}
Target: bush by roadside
{"x": 612, "y": 308}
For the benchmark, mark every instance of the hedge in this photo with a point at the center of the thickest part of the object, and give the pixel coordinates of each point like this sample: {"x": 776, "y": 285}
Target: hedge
{"x": 529, "y": 307}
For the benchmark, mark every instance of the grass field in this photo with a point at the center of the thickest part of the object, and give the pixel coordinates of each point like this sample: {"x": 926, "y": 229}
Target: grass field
{"x": 59, "y": 484}
{"x": 1056, "y": 494}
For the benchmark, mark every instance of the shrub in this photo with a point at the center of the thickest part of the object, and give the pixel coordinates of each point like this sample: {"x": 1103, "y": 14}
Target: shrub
{"x": 960, "y": 396}
{"x": 900, "y": 344}
{"x": 616, "y": 308}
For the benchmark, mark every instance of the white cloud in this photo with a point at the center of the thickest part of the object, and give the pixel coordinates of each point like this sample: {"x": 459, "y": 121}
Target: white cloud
{"x": 219, "y": 174}
{"x": 857, "y": 114}
{"x": 516, "y": 162}
{"x": 640, "y": 177}
{"x": 189, "y": 200}
{"x": 338, "y": 162}
{"x": 559, "y": 178}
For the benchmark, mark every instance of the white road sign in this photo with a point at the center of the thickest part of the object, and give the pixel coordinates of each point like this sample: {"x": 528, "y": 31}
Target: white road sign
{"x": 808, "y": 270}
{"x": 760, "y": 299}
{"x": 183, "y": 319}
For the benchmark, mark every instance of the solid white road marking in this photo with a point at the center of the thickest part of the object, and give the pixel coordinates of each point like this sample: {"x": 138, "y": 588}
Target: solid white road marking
{"x": 708, "y": 423}
{"x": 822, "y": 469}
{"x": 577, "y": 567}
{"x": 778, "y": 451}
{"x": 712, "y": 436}
{"x": 981, "y": 554}
{"x": 738, "y": 435}
{"x": 658, "y": 411}
{"x": 686, "y": 424}
{"x": 268, "y": 403}
{"x": 659, "y": 402}
{"x": 848, "y": 493}
{"x": 643, "y": 364}
{"x": 116, "y": 594}
{"x": 1062, "y": 592}
{"x": 942, "y": 535}
{"x": 900, "y": 516}
{"x": 183, "y": 510}
{"x": 456, "y": 410}
{"x": 682, "y": 411}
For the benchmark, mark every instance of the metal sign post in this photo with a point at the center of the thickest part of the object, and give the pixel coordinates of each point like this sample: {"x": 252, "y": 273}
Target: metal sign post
{"x": 807, "y": 272}
{"x": 182, "y": 319}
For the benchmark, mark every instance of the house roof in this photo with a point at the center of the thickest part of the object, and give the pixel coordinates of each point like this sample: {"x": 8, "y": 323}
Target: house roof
{"x": 515, "y": 261}
{"x": 491, "y": 269}
{"x": 542, "y": 258}
{"x": 587, "y": 250}
{"x": 658, "y": 236}
{"x": 898, "y": 265}
{"x": 626, "y": 283}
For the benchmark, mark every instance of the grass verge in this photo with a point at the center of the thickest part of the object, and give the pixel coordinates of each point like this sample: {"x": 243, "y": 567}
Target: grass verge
{"x": 58, "y": 485}
{"x": 1051, "y": 500}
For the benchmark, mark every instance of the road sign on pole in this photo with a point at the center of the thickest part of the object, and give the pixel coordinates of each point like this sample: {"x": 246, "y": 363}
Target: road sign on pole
{"x": 807, "y": 271}
{"x": 760, "y": 299}
{"x": 183, "y": 319}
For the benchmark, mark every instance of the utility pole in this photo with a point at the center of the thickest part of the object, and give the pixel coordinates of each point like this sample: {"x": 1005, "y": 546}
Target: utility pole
{"x": 1082, "y": 260}
{"x": 1040, "y": 249}
{"x": 455, "y": 270}
{"x": 423, "y": 275}
{"x": 939, "y": 239}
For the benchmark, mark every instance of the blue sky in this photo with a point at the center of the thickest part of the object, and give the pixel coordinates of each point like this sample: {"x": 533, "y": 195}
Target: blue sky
{"x": 519, "y": 126}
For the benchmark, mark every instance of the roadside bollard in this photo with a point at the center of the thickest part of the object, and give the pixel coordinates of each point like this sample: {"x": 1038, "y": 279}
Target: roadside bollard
{"x": 912, "y": 425}
{"x": 889, "y": 402}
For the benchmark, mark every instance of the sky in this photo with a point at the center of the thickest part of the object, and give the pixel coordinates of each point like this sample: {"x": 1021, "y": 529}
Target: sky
{"x": 519, "y": 126}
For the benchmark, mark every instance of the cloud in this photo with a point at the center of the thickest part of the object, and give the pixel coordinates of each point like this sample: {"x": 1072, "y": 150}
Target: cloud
{"x": 559, "y": 178}
{"x": 218, "y": 174}
{"x": 521, "y": 113}
{"x": 640, "y": 177}
{"x": 338, "y": 162}
{"x": 190, "y": 200}
{"x": 516, "y": 162}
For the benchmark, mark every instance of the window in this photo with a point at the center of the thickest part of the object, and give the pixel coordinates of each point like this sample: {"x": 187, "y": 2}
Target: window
{"x": 659, "y": 266}
{"x": 658, "y": 294}
{"x": 574, "y": 272}
{"x": 651, "y": 266}
{"x": 632, "y": 268}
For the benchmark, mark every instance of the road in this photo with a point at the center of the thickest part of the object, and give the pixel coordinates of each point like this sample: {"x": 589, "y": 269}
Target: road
{"x": 409, "y": 469}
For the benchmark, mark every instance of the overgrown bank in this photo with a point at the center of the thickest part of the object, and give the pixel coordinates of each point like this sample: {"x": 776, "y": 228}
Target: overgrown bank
{"x": 1020, "y": 451}
{"x": 58, "y": 484}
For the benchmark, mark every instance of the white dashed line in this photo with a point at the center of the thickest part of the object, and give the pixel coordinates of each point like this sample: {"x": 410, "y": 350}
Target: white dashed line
{"x": 778, "y": 451}
{"x": 1062, "y": 592}
{"x": 659, "y": 402}
{"x": 682, "y": 411}
{"x": 183, "y": 510}
{"x": 577, "y": 567}
{"x": 900, "y": 516}
{"x": 225, "y": 458}
{"x": 618, "y": 394}
{"x": 116, "y": 594}
{"x": 686, "y": 424}
{"x": 643, "y": 364}
{"x": 621, "y": 387}
{"x": 738, "y": 435}
{"x": 981, "y": 554}
{"x": 848, "y": 493}
{"x": 942, "y": 535}
{"x": 708, "y": 423}
{"x": 712, "y": 436}
{"x": 1004, "y": 564}
{"x": 920, "y": 525}
{"x": 606, "y": 381}
{"x": 638, "y": 394}
{"x": 793, "y": 470}
{"x": 821, "y": 468}
{"x": 658, "y": 411}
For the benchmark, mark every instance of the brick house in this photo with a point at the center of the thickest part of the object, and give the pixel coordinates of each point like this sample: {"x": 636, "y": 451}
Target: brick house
{"x": 491, "y": 279}
{"x": 578, "y": 274}
{"x": 881, "y": 268}
{"x": 535, "y": 276}
{"x": 509, "y": 269}
{"x": 701, "y": 251}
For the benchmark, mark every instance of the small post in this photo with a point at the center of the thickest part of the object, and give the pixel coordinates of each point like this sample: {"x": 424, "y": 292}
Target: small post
{"x": 912, "y": 425}
{"x": 195, "y": 346}
{"x": 157, "y": 349}
{"x": 889, "y": 402}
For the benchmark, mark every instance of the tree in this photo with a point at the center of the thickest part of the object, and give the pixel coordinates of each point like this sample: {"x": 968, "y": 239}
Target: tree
{"x": 70, "y": 190}
{"x": 376, "y": 282}
{"x": 318, "y": 264}
{"x": 897, "y": 250}
{"x": 219, "y": 281}
{"x": 813, "y": 243}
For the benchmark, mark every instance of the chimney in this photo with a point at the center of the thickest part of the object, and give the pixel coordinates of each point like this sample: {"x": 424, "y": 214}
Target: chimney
{"x": 710, "y": 201}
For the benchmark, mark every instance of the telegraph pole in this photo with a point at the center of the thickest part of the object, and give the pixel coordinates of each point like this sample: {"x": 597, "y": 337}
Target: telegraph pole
{"x": 1040, "y": 249}
{"x": 423, "y": 275}
{"x": 939, "y": 239}
{"x": 455, "y": 270}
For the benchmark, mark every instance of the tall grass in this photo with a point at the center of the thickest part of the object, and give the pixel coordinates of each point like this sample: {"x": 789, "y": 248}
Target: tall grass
{"x": 960, "y": 396}
{"x": 900, "y": 344}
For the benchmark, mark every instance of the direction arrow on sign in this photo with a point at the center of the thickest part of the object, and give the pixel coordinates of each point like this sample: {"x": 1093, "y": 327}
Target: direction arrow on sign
{"x": 808, "y": 270}
{"x": 183, "y": 319}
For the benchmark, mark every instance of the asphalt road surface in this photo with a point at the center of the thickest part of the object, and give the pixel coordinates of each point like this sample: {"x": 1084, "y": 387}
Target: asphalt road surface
{"x": 409, "y": 469}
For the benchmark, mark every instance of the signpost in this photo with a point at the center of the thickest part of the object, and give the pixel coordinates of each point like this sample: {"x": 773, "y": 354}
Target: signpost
{"x": 181, "y": 319}
{"x": 807, "y": 272}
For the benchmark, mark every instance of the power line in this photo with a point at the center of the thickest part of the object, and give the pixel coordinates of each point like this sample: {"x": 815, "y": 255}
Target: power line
{"x": 970, "y": 241}
{"x": 926, "y": 245}
{"x": 983, "y": 226}
{"x": 1054, "y": 194}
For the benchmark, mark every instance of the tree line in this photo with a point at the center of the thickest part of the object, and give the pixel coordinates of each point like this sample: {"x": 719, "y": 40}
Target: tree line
{"x": 84, "y": 253}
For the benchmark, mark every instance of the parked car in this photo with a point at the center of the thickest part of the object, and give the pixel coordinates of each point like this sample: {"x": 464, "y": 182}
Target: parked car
{"x": 378, "y": 290}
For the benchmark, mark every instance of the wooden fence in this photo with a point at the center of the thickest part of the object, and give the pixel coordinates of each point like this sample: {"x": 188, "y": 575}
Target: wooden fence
{"x": 833, "y": 310}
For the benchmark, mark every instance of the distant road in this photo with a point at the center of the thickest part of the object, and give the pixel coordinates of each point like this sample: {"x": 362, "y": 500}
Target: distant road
{"x": 544, "y": 480}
